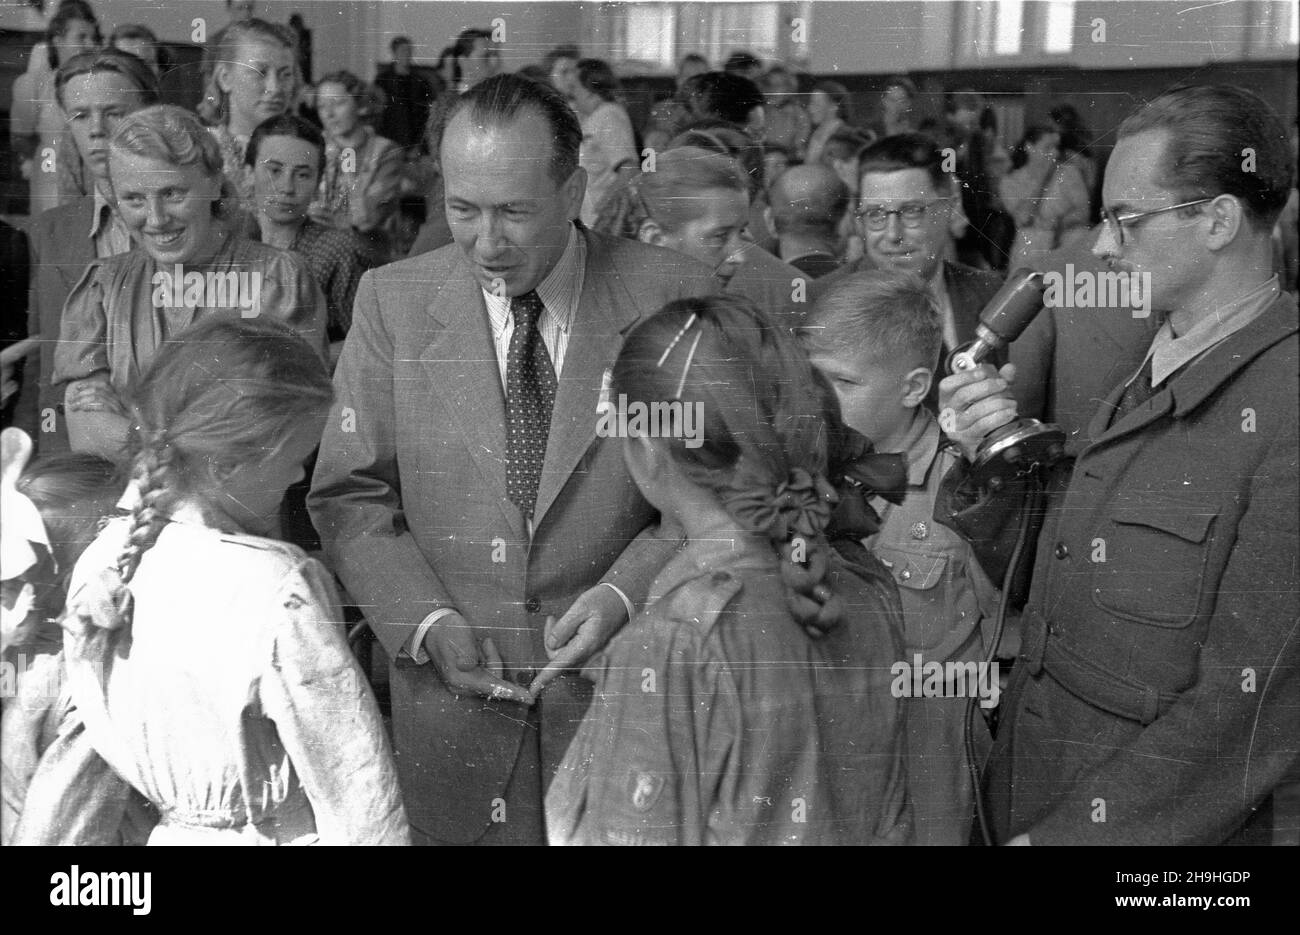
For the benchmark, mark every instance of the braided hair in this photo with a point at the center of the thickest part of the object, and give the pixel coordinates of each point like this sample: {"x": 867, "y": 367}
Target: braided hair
{"x": 222, "y": 392}
{"x": 763, "y": 453}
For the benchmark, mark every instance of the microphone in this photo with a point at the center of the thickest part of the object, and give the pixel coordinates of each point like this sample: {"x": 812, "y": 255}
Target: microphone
{"x": 1020, "y": 447}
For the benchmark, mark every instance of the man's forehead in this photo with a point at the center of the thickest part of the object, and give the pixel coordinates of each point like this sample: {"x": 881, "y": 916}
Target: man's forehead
{"x": 1133, "y": 170}
{"x": 897, "y": 184}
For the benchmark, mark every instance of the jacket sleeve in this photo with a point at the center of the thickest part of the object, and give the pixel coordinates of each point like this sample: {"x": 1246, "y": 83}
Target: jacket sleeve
{"x": 327, "y": 719}
{"x": 356, "y": 500}
{"x": 1196, "y": 773}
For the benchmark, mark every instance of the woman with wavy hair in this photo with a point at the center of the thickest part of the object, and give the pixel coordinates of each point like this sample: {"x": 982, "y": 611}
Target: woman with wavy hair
{"x": 749, "y": 703}
{"x": 251, "y": 74}
{"x": 191, "y": 264}
{"x": 360, "y": 186}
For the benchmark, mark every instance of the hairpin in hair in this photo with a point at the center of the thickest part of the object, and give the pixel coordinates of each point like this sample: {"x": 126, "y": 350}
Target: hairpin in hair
{"x": 689, "y": 357}
{"x": 673, "y": 343}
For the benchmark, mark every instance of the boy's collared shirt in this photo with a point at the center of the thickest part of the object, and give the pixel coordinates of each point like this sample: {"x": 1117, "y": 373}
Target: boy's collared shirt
{"x": 944, "y": 592}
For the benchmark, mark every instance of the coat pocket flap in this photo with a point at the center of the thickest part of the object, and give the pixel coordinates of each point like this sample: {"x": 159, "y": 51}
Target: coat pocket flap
{"x": 919, "y": 571}
{"x": 1186, "y": 521}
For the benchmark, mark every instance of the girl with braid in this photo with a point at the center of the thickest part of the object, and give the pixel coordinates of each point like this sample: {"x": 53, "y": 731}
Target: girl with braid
{"x": 749, "y": 703}
{"x": 205, "y": 660}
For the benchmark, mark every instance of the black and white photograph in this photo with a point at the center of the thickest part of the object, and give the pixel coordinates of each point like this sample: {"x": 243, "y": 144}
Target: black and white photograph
{"x": 651, "y": 423}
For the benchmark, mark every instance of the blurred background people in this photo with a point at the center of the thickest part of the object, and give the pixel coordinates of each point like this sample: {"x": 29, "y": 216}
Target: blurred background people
{"x": 607, "y": 139}
{"x": 36, "y": 126}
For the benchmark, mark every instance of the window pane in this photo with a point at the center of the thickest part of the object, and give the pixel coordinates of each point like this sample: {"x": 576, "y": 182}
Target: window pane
{"x": 650, "y": 33}
{"x": 1010, "y": 14}
{"x": 1059, "y": 36}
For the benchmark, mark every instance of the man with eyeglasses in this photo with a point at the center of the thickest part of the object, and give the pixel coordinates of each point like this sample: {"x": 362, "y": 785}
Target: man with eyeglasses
{"x": 1155, "y": 697}
{"x": 903, "y": 212}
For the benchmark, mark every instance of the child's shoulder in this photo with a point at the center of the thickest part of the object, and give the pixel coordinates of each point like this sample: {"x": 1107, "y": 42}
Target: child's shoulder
{"x": 699, "y": 602}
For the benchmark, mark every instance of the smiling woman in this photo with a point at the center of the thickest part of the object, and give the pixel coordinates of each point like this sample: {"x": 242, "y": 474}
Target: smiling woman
{"x": 166, "y": 172}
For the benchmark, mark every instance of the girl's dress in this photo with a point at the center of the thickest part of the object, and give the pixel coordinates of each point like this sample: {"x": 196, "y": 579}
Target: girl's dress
{"x": 232, "y": 700}
{"x": 718, "y": 720}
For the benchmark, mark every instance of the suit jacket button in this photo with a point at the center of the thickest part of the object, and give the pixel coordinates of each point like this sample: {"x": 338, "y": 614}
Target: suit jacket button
{"x": 532, "y": 605}
{"x": 1061, "y": 550}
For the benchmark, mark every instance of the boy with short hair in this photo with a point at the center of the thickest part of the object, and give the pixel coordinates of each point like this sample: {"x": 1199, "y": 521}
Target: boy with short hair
{"x": 877, "y": 338}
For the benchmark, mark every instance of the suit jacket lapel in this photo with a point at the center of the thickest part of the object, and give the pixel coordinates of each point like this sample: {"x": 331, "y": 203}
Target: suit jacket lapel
{"x": 469, "y": 381}
{"x": 606, "y": 312}
{"x": 965, "y": 313}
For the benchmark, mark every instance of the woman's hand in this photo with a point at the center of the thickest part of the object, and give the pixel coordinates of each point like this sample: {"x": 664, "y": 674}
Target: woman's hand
{"x": 94, "y": 395}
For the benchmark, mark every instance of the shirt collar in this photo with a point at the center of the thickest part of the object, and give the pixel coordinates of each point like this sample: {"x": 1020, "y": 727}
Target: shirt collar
{"x": 919, "y": 447}
{"x": 1168, "y": 353}
{"x": 559, "y": 291}
{"x": 938, "y": 285}
{"x": 97, "y": 218}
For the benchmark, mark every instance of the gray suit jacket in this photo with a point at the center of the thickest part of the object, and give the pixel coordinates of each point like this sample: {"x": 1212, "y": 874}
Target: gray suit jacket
{"x": 409, "y": 496}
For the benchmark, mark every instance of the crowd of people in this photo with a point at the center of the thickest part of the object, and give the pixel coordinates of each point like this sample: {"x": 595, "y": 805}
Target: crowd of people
{"x": 632, "y": 499}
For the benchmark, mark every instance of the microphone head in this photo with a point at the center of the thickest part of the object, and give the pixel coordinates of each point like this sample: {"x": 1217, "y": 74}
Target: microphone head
{"x": 1014, "y": 306}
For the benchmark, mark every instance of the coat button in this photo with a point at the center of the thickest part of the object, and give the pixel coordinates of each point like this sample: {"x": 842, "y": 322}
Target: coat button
{"x": 905, "y": 574}
{"x": 1061, "y": 550}
{"x": 532, "y": 605}
{"x": 920, "y": 531}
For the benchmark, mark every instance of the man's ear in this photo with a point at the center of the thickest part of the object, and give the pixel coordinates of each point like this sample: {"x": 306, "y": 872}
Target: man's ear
{"x": 575, "y": 189}
{"x": 651, "y": 233}
{"x": 916, "y": 383}
{"x": 222, "y": 75}
{"x": 1227, "y": 215}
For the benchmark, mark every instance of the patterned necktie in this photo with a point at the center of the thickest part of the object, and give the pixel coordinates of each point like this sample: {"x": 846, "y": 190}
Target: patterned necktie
{"x": 530, "y": 397}
{"x": 1136, "y": 393}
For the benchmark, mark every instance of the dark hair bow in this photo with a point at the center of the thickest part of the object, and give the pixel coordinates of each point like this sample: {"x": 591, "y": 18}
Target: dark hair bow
{"x": 799, "y": 505}
{"x": 860, "y": 473}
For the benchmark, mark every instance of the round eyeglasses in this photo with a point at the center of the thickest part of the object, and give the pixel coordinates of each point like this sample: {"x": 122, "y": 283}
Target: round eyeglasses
{"x": 911, "y": 214}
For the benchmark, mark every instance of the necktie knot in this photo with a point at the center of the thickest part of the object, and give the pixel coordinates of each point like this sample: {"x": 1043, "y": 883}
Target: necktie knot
{"x": 526, "y": 310}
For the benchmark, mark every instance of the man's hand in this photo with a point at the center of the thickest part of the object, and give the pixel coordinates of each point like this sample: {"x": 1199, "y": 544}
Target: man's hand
{"x": 595, "y": 616}
{"x": 466, "y": 667}
{"x": 95, "y": 395}
{"x": 975, "y": 402}
{"x": 1020, "y": 840}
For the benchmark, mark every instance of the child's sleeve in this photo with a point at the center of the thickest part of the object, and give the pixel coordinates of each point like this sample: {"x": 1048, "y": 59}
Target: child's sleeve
{"x": 327, "y": 719}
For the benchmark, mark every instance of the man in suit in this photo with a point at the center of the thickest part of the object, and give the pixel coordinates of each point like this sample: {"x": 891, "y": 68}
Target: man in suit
{"x": 904, "y": 210}
{"x": 95, "y": 91}
{"x": 462, "y": 495}
{"x": 1155, "y": 697}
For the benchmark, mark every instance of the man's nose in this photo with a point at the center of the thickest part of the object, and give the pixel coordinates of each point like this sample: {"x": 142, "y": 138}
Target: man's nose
{"x": 274, "y": 83}
{"x": 98, "y": 124}
{"x": 1107, "y": 243}
{"x": 894, "y": 226}
{"x": 286, "y": 184}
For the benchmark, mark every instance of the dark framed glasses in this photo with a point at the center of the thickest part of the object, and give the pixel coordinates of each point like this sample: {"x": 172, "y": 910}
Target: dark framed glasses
{"x": 911, "y": 214}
